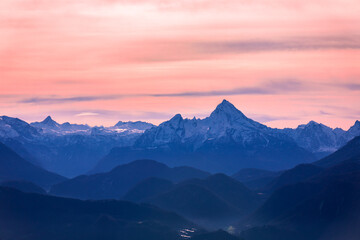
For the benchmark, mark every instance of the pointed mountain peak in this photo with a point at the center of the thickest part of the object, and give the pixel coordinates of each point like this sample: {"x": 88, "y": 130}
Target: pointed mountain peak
{"x": 226, "y": 104}
{"x": 176, "y": 118}
{"x": 49, "y": 121}
{"x": 312, "y": 123}
{"x": 119, "y": 123}
{"x": 228, "y": 110}
{"x": 355, "y": 129}
{"x": 175, "y": 121}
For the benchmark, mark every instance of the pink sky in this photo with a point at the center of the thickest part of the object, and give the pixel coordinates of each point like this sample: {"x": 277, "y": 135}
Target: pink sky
{"x": 281, "y": 62}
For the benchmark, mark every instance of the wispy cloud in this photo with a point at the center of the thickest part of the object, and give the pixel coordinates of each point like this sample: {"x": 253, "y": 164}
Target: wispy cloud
{"x": 289, "y": 44}
{"x": 82, "y": 114}
{"x": 116, "y": 115}
{"x": 57, "y": 99}
{"x": 174, "y": 50}
{"x": 263, "y": 118}
{"x": 326, "y": 113}
{"x": 270, "y": 87}
{"x": 351, "y": 86}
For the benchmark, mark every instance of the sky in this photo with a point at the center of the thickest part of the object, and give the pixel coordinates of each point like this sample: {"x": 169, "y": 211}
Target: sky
{"x": 281, "y": 62}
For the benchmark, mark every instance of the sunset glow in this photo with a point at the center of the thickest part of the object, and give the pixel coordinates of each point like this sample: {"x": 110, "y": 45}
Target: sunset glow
{"x": 282, "y": 63}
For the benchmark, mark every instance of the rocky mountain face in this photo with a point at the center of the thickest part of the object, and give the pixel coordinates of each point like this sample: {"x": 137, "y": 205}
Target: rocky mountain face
{"x": 320, "y": 139}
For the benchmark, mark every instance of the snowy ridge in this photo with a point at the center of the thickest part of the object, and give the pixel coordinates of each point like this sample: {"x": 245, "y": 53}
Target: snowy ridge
{"x": 49, "y": 126}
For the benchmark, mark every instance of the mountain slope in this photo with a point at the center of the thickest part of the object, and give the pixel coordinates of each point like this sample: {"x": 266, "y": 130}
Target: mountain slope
{"x": 230, "y": 190}
{"x": 251, "y": 174}
{"x": 14, "y": 167}
{"x": 23, "y": 186}
{"x": 33, "y": 217}
{"x": 212, "y": 202}
{"x": 218, "y": 235}
{"x": 325, "y": 206}
{"x": 354, "y": 131}
{"x": 148, "y": 188}
{"x": 14, "y": 127}
{"x": 116, "y": 183}
{"x": 318, "y": 138}
{"x": 297, "y": 174}
{"x": 194, "y": 202}
{"x": 350, "y": 150}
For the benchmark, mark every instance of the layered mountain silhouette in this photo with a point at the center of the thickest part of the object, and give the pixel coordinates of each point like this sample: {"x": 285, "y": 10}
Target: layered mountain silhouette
{"x": 324, "y": 209}
{"x": 23, "y": 186}
{"x": 218, "y": 235}
{"x": 255, "y": 179}
{"x": 350, "y": 150}
{"x": 278, "y": 188}
{"x": 312, "y": 202}
{"x": 297, "y": 174}
{"x": 212, "y": 202}
{"x": 14, "y": 167}
{"x": 148, "y": 188}
{"x": 265, "y": 181}
{"x": 34, "y": 216}
{"x": 114, "y": 184}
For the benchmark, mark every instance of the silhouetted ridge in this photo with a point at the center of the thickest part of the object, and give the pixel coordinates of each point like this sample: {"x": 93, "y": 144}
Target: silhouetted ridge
{"x": 350, "y": 150}
{"x": 117, "y": 182}
{"x": 218, "y": 235}
{"x": 212, "y": 202}
{"x": 24, "y": 186}
{"x": 14, "y": 167}
{"x": 33, "y": 217}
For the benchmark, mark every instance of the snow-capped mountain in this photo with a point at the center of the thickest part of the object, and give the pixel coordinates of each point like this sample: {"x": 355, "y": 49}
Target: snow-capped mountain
{"x": 14, "y": 128}
{"x": 316, "y": 137}
{"x": 354, "y": 131}
{"x": 321, "y": 139}
{"x": 131, "y": 127}
{"x": 225, "y": 124}
{"x": 226, "y": 140}
{"x": 68, "y": 149}
{"x": 49, "y": 126}
{"x": 138, "y": 125}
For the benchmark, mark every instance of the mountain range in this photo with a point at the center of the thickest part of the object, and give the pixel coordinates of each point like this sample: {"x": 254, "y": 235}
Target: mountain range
{"x": 114, "y": 184}
{"x": 226, "y": 141}
{"x": 212, "y": 202}
{"x": 67, "y": 149}
{"x": 310, "y": 201}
